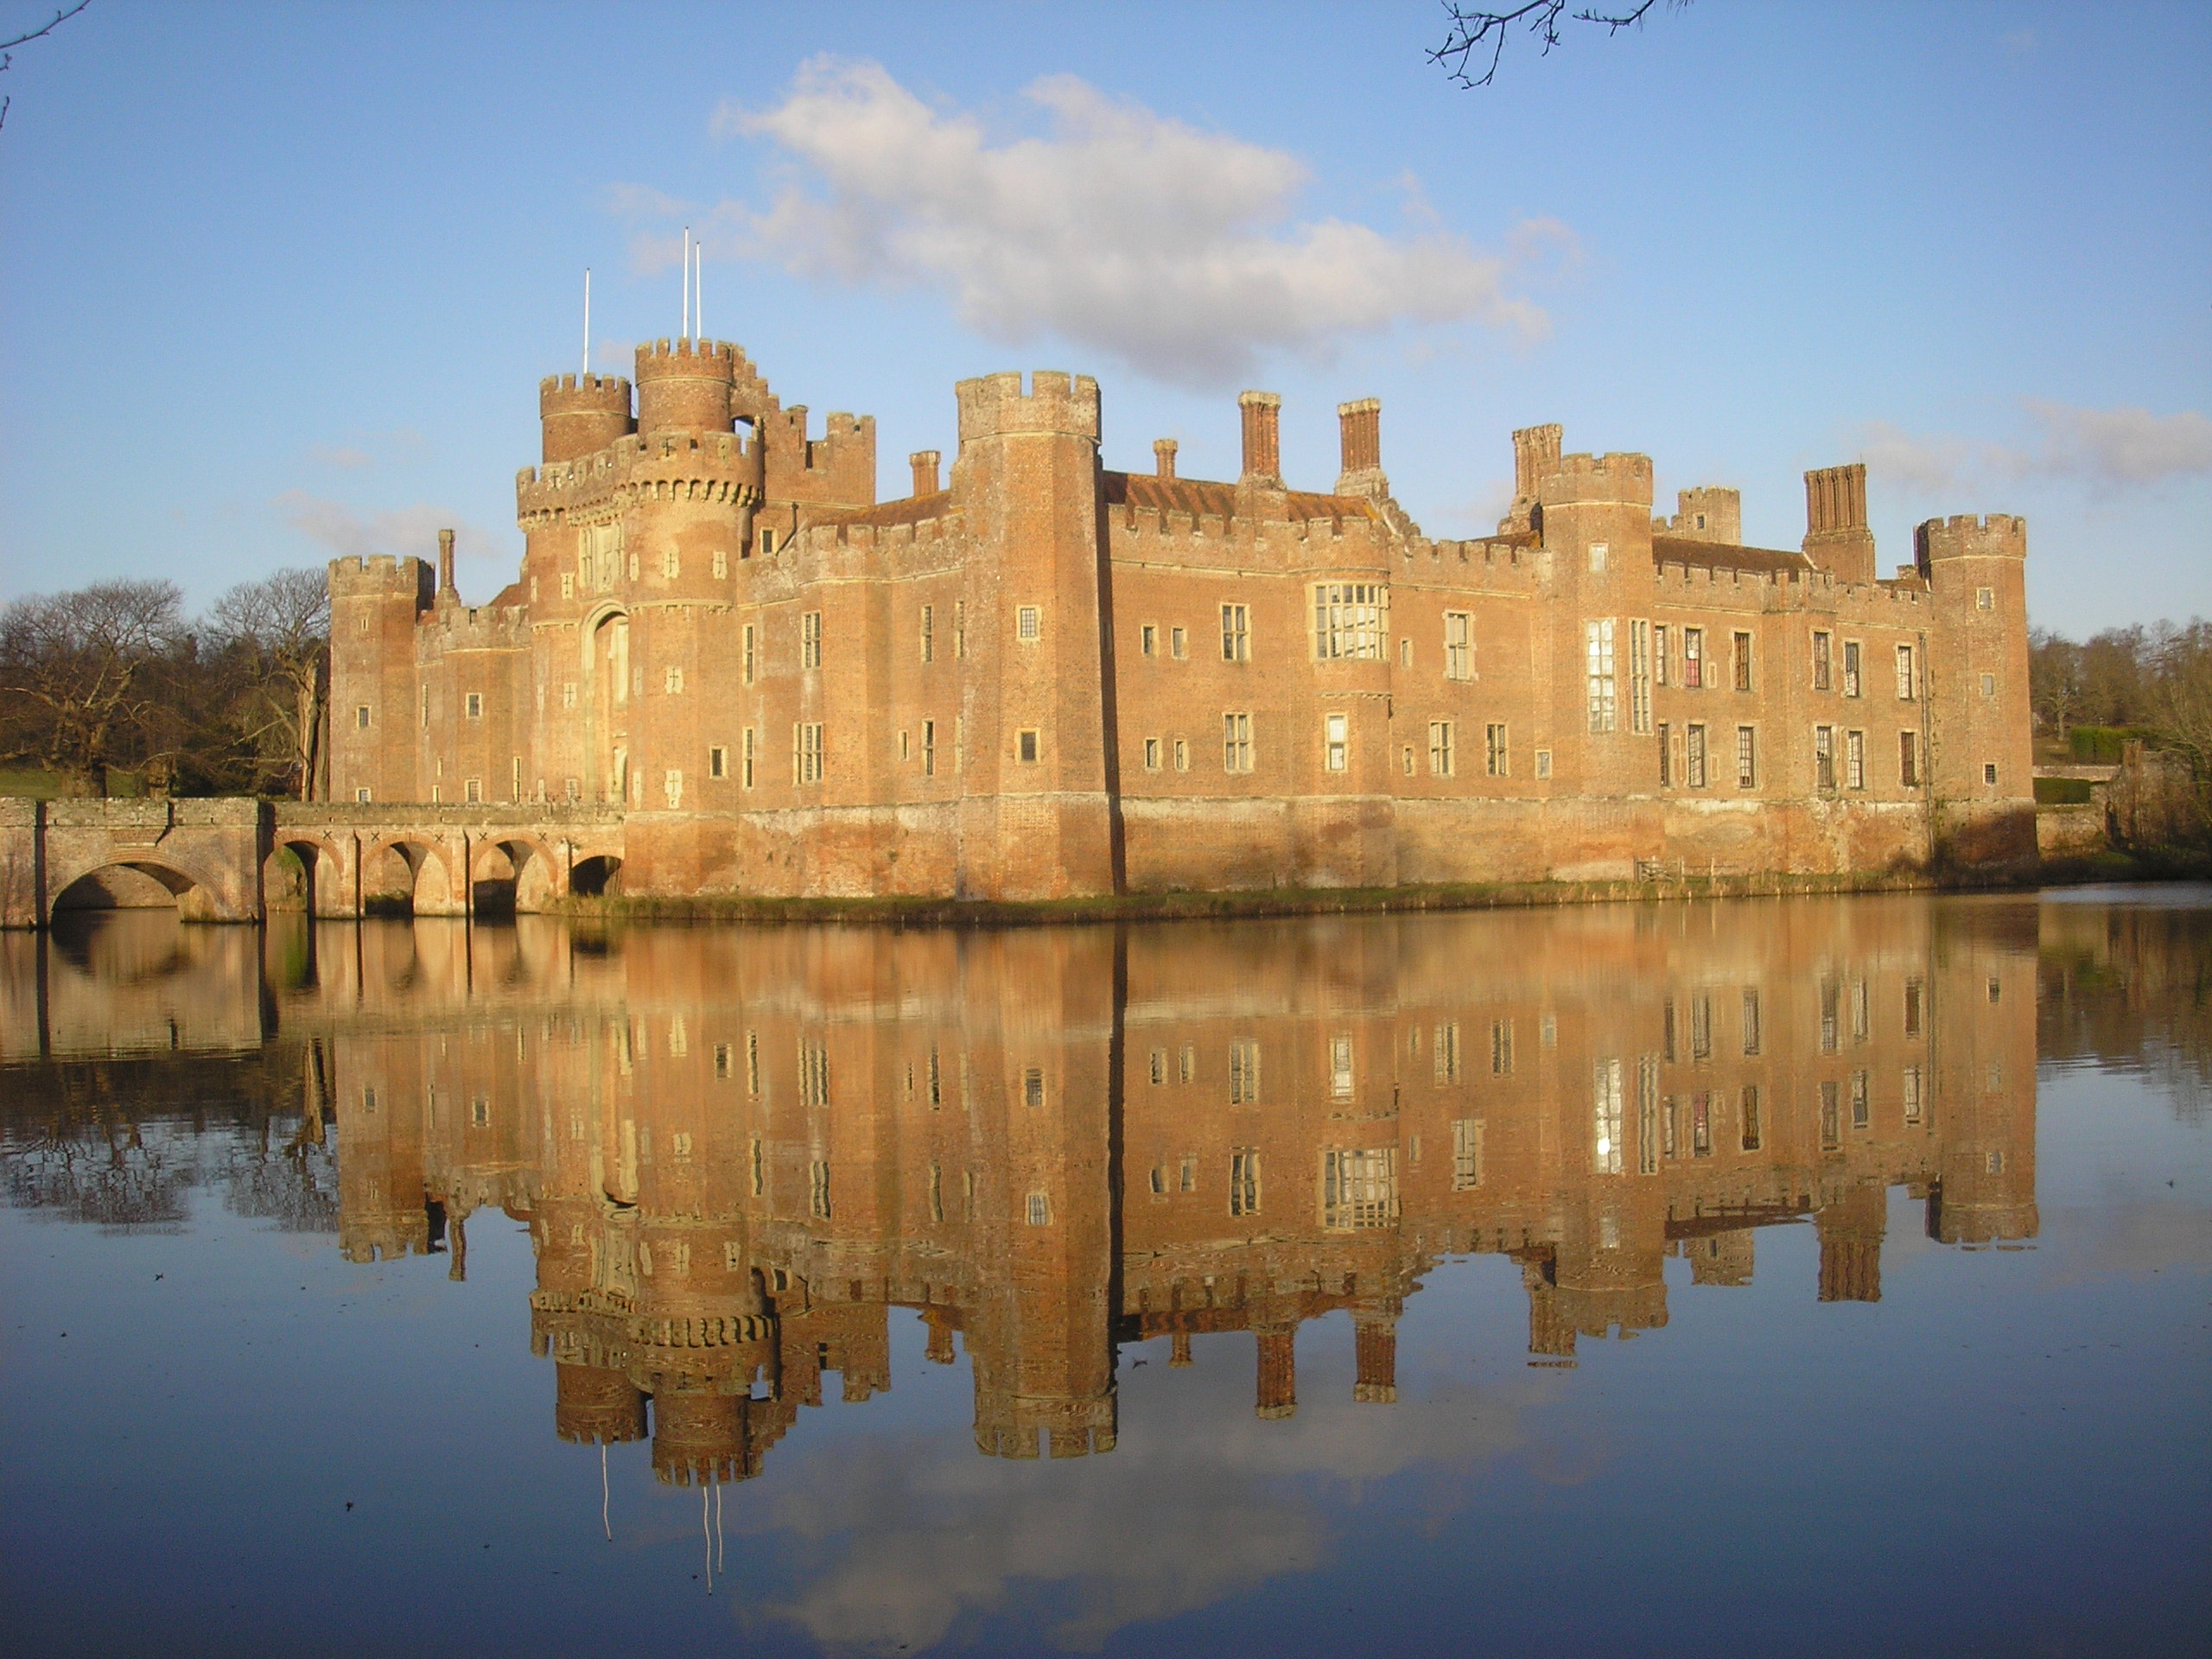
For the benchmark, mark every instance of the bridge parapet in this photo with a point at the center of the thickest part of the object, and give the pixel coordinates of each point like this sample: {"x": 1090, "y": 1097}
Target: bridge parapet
{"x": 207, "y": 853}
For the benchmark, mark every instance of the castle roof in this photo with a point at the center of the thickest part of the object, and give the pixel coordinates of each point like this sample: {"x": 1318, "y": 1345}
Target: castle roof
{"x": 1725, "y": 556}
{"x": 1200, "y": 496}
{"x": 907, "y": 510}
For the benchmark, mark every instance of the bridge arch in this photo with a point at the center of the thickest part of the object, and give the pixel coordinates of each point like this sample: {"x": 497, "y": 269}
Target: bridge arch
{"x": 139, "y": 880}
{"x": 518, "y": 872}
{"x": 403, "y": 874}
{"x": 595, "y": 875}
{"x": 325, "y": 868}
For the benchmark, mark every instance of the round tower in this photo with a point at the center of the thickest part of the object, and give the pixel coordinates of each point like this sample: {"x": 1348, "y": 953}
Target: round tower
{"x": 582, "y": 415}
{"x": 685, "y": 386}
{"x": 595, "y": 1406}
{"x": 698, "y": 1438}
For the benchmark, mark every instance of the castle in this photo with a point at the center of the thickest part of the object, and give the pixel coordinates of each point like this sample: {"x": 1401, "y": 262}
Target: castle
{"x": 1041, "y": 677}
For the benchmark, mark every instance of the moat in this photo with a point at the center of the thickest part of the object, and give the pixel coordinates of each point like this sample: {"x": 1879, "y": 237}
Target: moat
{"x": 1798, "y": 1276}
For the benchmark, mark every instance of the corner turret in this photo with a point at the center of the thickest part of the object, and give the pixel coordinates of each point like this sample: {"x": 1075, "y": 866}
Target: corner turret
{"x": 580, "y": 416}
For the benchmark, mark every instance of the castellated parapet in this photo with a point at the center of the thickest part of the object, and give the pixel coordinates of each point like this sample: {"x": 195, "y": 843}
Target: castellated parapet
{"x": 1038, "y": 676}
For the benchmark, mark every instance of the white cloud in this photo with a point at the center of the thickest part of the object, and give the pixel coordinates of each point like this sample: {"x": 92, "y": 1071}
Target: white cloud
{"x": 2108, "y": 449}
{"x": 346, "y": 457}
{"x": 412, "y": 530}
{"x": 1171, "y": 249}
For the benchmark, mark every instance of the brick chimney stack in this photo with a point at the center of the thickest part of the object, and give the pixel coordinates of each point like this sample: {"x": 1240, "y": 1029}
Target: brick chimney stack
{"x": 445, "y": 562}
{"x": 924, "y": 464}
{"x": 1361, "y": 426}
{"x": 1262, "y": 449}
{"x": 1163, "y": 456}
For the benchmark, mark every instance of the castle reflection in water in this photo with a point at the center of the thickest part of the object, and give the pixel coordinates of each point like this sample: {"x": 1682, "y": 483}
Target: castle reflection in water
{"x": 736, "y": 1151}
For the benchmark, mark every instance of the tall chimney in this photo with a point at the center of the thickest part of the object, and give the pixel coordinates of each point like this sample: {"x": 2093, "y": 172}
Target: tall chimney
{"x": 1163, "y": 456}
{"x": 1837, "y": 538}
{"x": 445, "y": 562}
{"x": 924, "y": 464}
{"x": 1361, "y": 427}
{"x": 1263, "y": 450}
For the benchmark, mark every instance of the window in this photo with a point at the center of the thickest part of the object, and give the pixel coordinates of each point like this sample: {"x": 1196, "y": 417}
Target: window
{"x": 1236, "y": 635}
{"x": 1905, "y": 673}
{"x": 1243, "y": 1073}
{"x": 1989, "y": 774}
{"x": 1910, "y": 1083}
{"x": 1851, "y": 667}
{"x": 361, "y": 716}
{"x": 1177, "y": 648}
{"x": 1647, "y": 1115}
{"x": 1750, "y": 1119}
{"x": 1408, "y": 754}
{"x": 1032, "y": 1088}
{"x": 1605, "y": 1114}
{"x": 1148, "y": 641}
{"x": 960, "y": 628}
{"x": 1916, "y": 1001}
{"x": 1989, "y": 685}
{"x": 1458, "y": 645}
{"x": 1187, "y": 1065}
{"x": 1159, "y": 1067}
{"x": 1237, "y": 742}
{"x": 473, "y": 790}
{"x": 721, "y": 563}
{"x": 1984, "y": 599}
{"x": 1693, "y": 657}
{"x": 1860, "y": 1023}
{"x": 717, "y": 761}
{"x": 1659, "y": 653}
{"x": 1701, "y": 1125}
{"x": 1862, "y": 1114}
{"x": 1466, "y": 1154}
{"x": 748, "y": 749}
{"x": 1822, "y": 663}
{"x": 806, "y": 751}
{"x": 748, "y": 653}
{"x": 1639, "y": 676}
{"x": 1026, "y": 626}
{"x": 1336, "y": 742}
{"x": 1152, "y": 754}
{"x": 1359, "y": 1189}
{"x": 475, "y": 705}
{"x": 1244, "y": 1182}
{"x": 1700, "y": 1029}
{"x": 1747, "y": 757}
{"x": 1741, "y": 657}
{"x": 1497, "y": 758}
{"x": 1040, "y": 1209}
{"x": 929, "y": 634}
{"x": 810, "y": 640}
{"x": 1025, "y": 747}
{"x": 1599, "y": 553}
{"x": 1182, "y": 755}
{"x": 1751, "y": 1022}
{"x": 1446, "y": 1047}
{"x": 1598, "y": 655}
{"x": 1440, "y": 760}
{"x": 1349, "y": 620}
{"x": 1693, "y": 757}
{"x": 673, "y": 681}
{"x": 1543, "y": 762}
{"x": 1340, "y": 1068}
{"x": 817, "y": 1172}
{"x": 1501, "y": 1048}
{"x": 1854, "y": 759}
{"x": 362, "y": 796}
{"x": 813, "y": 1075}
{"x": 1908, "y": 759}
{"x": 1824, "y": 757}
{"x": 767, "y": 542}
{"x": 929, "y": 748}
{"x": 1666, "y": 756}
{"x": 1405, "y": 651}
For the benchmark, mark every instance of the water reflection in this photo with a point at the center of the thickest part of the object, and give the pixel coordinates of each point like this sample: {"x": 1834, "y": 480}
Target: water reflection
{"x": 736, "y": 1151}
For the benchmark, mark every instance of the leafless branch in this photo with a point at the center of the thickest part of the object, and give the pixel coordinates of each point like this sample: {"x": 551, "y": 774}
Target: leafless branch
{"x": 1473, "y": 29}
{"x": 8, "y": 47}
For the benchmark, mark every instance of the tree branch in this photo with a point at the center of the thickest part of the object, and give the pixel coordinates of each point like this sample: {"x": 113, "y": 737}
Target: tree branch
{"x": 8, "y": 47}
{"x": 1471, "y": 29}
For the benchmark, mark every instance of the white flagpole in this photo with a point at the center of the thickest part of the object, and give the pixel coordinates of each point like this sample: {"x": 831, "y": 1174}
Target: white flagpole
{"x": 698, "y": 278}
{"x": 586, "y": 375}
{"x": 686, "y": 329}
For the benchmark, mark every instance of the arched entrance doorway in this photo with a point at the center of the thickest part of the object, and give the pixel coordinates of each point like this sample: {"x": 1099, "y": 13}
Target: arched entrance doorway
{"x": 608, "y": 679}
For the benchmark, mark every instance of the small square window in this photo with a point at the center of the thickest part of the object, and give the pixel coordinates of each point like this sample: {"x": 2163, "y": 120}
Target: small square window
{"x": 362, "y": 796}
{"x": 361, "y": 716}
{"x": 474, "y": 789}
{"x": 1025, "y": 746}
{"x": 1989, "y": 685}
{"x": 476, "y": 705}
{"x": 1024, "y": 623}
{"x": 1984, "y": 599}
{"x": 1989, "y": 774}
{"x": 1600, "y": 552}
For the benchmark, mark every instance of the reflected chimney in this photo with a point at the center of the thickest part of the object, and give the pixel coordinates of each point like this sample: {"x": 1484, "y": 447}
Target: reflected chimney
{"x": 1278, "y": 1373}
{"x": 1375, "y": 1346}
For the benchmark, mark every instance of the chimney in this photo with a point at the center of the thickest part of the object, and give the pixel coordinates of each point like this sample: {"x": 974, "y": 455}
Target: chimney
{"x": 1535, "y": 452}
{"x": 1361, "y": 427}
{"x": 445, "y": 562}
{"x": 1837, "y": 538}
{"x": 1163, "y": 457}
{"x": 1262, "y": 452}
{"x": 924, "y": 464}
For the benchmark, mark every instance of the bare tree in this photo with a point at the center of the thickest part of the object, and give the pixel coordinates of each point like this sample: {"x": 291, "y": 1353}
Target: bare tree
{"x": 2054, "y": 682}
{"x": 2181, "y": 702}
{"x": 82, "y": 673}
{"x": 8, "y": 47}
{"x": 279, "y": 628}
{"x": 1474, "y": 31}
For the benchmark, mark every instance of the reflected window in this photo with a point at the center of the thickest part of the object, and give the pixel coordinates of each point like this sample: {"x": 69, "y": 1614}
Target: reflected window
{"x": 818, "y": 1189}
{"x": 1032, "y": 1088}
{"x": 1501, "y": 1048}
{"x": 1911, "y": 1089}
{"x": 1751, "y": 1116}
{"x": 1916, "y": 1007}
{"x": 1701, "y": 1125}
{"x": 1341, "y": 1079}
{"x": 1040, "y": 1209}
{"x": 1447, "y": 1052}
{"x": 1359, "y": 1190}
{"x": 1831, "y": 1126}
{"x": 1861, "y": 1105}
{"x": 1243, "y": 1073}
{"x": 1244, "y": 1182}
{"x": 1159, "y": 1067}
{"x": 1466, "y": 1154}
{"x": 1605, "y": 1138}
{"x": 1751, "y": 1022}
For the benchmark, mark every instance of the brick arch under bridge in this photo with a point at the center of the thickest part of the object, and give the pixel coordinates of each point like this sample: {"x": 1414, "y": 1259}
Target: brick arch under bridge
{"x": 216, "y": 858}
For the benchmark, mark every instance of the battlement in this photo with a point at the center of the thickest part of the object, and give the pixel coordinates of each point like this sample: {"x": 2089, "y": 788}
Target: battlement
{"x": 381, "y": 575}
{"x": 1966, "y": 536}
{"x": 995, "y": 405}
{"x": 659, "y": 359}
{"x": 592, "y": 392}
{"x": 1597, "y": 479}
{"x": 1707, "y": 513}
{"x": 686, "y": 384}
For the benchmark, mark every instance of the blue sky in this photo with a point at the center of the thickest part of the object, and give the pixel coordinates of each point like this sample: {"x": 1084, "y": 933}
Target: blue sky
{"x": 278, "y": 282}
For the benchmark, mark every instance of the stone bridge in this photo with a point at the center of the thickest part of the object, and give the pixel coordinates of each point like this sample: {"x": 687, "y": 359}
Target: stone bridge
{"x": 229, "y": 860}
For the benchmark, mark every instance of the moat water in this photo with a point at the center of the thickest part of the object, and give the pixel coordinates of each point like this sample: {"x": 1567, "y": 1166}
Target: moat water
{"x": 1786, "y": 1277}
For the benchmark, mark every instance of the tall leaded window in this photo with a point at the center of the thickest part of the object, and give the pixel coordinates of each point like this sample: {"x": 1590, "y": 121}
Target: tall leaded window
{"x": 1824, "y": 757}
{"x": 1237, "y": 742}
{"x": 1639, "y": 676}
{"x": 1349, "y": 619}
{"x": 1235, "y": 634}
{"x": 1598, "y": 652}
{"x": 1905, "y": 678}
{"x": 1458, "y": 645}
